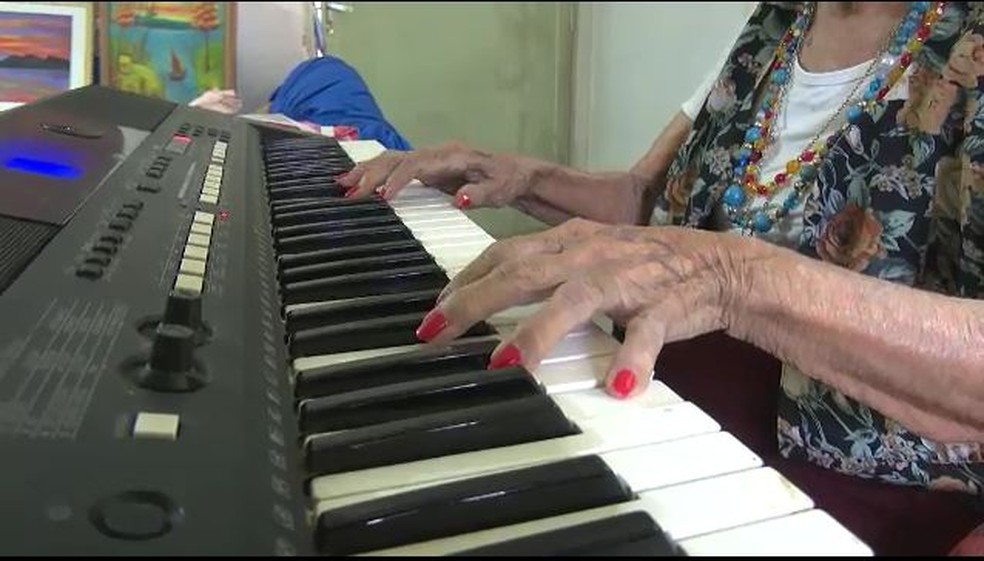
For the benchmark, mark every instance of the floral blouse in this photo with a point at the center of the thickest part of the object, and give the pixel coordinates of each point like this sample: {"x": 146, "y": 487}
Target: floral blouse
{"x": 900, "y": 197}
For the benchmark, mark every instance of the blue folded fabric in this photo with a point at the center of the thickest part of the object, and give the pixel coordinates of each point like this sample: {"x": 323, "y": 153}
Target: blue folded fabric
{"x": 328, "y": 91}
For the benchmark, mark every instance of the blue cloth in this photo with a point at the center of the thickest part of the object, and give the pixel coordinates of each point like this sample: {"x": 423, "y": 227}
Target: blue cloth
{"x": 329, "y": 92}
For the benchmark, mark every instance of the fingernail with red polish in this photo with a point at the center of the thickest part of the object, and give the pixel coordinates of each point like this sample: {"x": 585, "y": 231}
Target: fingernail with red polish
{"x": 508, "y": 356}
{"x": 351, "y": 192}
{"x": 433, "y": 324}
{"x": 462, "y": 200}
{"x": 624, "y": 383}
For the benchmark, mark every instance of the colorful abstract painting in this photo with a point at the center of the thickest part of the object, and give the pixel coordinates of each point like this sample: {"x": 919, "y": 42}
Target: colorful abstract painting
{"x": 169, "y": 50}
{"x": 44, "y": 50}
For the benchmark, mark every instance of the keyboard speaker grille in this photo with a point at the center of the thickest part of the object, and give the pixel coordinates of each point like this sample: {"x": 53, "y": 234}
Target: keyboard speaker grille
{"x": 20, "y": 243}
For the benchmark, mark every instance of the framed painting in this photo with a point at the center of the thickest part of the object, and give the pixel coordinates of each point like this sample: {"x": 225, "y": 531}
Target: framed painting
{"x": 45, "y": 49}
{"x": 169, "y": 50}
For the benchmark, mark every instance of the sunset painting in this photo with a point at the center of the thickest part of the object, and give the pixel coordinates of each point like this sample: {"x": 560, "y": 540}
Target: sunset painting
{"x": 170, "y": 50}
{"x": 44, "y": 50}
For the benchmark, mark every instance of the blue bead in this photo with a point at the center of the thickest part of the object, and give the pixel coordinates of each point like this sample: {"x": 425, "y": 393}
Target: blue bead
{"x": 868, "y": 96}
{"x": 762, "y": 223}
{"x": 808, "y": 172}
{"x": 854, "y": 113}
{"x": 779, "y": 76}
{"x": 790, "y": 202}
{"x": 744, "y": 154}
{"x": 921, "y": 6}
{"x": 895, "y": 50}
{"x": 752, "y": 134}
{"x": 734, "y": 196}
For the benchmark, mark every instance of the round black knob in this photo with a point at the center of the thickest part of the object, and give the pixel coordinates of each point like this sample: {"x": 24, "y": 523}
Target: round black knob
{"x": 184, "y": 308}
{"x": 172, "y": 366}
{"x": 174, "y": 347}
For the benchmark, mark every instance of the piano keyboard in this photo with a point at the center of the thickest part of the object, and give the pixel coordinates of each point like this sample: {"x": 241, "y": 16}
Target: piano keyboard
{"x": 415, "y": 449}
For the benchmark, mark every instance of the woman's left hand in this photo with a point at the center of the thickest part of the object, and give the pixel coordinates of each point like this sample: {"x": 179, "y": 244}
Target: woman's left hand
{"x": 662, "y": 283}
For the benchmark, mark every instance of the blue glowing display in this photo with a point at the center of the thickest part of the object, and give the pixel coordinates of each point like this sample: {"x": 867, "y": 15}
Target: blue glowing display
{"x": 46, "y": 168}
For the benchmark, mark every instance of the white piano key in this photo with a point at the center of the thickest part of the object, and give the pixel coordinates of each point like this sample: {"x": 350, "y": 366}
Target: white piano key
{"x": 682, "y": 511}
{"x": 362, "y": 150}
{"x": 598, "y": 435}
{"x": 579, "y": 345}
{"x": 810, "y": 533}
{"x": 573, "y": 375}
{"x": 318, "y": 361}
{"x": 427, "y": 214}
{"x": 643, "y": 468}
{"x": 457, "y": 234}
{"x": 595, "y": 403}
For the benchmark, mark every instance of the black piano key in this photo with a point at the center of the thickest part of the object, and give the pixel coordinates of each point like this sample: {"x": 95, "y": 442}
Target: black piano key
{"x": 350, "y": 266}
{"x": 334, "y": 225}
{"x": 458, "y": 356}
{"x": 314, "y": 213}
{"x": 375, "y": 333}
{"x": 634, "y": 534}
{"x": 345, "y": 311}
{"x": 355, "y": 251}
{"x": 357, "y": 236}
{"x": 470, "y": 505}
{"x": 308, "y": 189}
{"x": 389, "y": 281}
{"x": 482, "y": 427}
{"x": 280, "y": 208}
{"x": 415, "y": 398}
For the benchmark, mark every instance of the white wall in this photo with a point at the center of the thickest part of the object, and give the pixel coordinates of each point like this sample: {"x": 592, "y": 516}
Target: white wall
{"x": 272, "y": 38}
{"x": 635, "y": 63}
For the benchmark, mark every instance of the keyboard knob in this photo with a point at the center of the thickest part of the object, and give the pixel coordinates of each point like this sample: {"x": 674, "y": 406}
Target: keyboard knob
{"x": 172, "y": 366}
{"x": 184, "y": 308}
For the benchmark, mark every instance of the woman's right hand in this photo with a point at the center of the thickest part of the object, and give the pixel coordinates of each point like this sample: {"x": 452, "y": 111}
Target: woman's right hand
{"x": 475, "y": 178}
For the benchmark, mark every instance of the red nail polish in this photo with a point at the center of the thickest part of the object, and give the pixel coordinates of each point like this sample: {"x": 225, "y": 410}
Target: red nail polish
{"x": 623, "y": 383}
{"x": 462, "y": 201}
{"x": 433, "y": 323}
{"x": 508, "y": 356}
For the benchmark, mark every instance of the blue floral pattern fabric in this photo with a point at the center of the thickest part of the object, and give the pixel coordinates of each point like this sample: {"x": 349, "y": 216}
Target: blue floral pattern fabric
{"x": 900, "y": 197}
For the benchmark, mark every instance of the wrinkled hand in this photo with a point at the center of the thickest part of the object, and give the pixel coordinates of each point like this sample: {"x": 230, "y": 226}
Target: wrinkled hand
{"x": 221, "y": 101}
{"x": 476, "y": 178}
{"x": 663, "y": 283}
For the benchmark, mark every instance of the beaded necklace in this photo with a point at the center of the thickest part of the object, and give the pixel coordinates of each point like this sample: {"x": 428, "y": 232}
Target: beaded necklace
{"x": 801, "y": 172}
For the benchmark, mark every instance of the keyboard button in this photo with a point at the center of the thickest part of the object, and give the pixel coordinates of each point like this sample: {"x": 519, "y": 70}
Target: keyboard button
{"x": 89, "y": 271}
{"x": 120, "y": 224}
{"x": 100, "y": 260}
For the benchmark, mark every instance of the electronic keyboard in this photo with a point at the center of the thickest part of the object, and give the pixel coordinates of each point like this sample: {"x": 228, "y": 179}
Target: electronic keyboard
{"x": 207, "y": 349}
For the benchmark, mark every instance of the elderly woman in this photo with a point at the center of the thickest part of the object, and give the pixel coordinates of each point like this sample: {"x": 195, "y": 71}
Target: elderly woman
{"x": 841, "y": 147}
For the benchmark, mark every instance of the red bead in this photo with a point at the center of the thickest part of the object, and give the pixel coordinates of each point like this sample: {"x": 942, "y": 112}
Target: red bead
{"x": 905, "y": 59}
{"x": 882, "y": 93}
{"x": 923, "y": 32}
{"x": 807, "y": 155}
{"x": 780, "y": 178}
{"x": 768, "y": 113}
{"x": 755, "y": 156}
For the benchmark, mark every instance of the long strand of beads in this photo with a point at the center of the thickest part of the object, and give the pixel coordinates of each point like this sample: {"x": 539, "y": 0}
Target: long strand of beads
{"x": 802, "y": 171}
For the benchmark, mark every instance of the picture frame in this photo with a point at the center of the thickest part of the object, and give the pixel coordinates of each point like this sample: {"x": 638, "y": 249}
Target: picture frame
{"x": 45, "y": 49}
{"x": 169, "y": 50}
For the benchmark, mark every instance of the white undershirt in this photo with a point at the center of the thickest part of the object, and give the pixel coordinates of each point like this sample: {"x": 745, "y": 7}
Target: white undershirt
{"x": 811, "y": 99}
